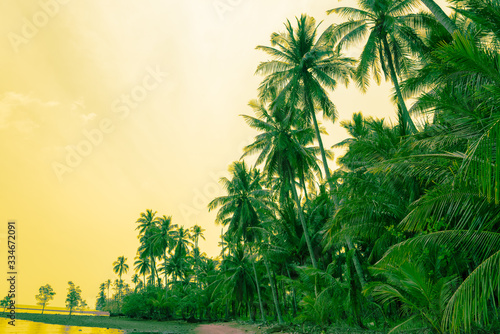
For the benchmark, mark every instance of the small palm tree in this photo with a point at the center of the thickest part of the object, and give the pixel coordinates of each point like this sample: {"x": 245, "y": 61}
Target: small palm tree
{"x": 120, "y": 267}
{"x": 142, "y": 266}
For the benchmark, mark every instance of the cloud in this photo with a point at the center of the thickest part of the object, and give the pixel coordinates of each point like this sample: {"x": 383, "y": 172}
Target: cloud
{"x": 21, "y": 112}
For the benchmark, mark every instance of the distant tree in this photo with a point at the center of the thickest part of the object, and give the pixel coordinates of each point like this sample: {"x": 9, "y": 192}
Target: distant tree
{"x": 73, "y": 298}
{"x": 108, "y": 285}
{"x": 45, "y": 295}
{"x": 120, "y": 268}
{"x": 135, "y": 280}
{"x": 83, "y": 305}
{"x": 101, "y": 297}
{"x": 5, "y": 302}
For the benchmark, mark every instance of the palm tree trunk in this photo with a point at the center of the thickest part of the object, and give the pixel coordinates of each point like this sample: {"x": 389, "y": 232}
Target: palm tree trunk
{"x": 406, "y": 115}
{"x": 310, "y": 106}
{"x": 440, "y": 15}
{"x": 357, "y": 265}
{"x": 273, "y": 290}
{"x": 258, "y": 293}
{"x": 166, "y": 274}
{"x": 303, "y": 185}
{"x": 303, "y": 222}
{"x": 294, "y": 300}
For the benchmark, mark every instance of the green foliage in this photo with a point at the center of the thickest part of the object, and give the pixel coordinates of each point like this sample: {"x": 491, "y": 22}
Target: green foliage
{"x": 73, "y": 298}
{"x": 5, "y": 302}
{"x": 45, "y": 295}
{"x": 420, "y": 207}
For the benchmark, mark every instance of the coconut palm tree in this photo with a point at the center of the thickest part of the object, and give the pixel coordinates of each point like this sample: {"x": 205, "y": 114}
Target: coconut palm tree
{"x": 135, "y": 280}
{"x": 390, "y": 40}
{"x": 108, "y": 285}
{"x": 197, "y": 233}
{"x": 282, "y": 149}
{"x": 162, "y": 240}
{"x": 142, "y": 266}
{"x": 305, "y": 64}
{"x": 146, "y": 220}
{"x": 243, "y": 209}
{"x": 120, "y": 268}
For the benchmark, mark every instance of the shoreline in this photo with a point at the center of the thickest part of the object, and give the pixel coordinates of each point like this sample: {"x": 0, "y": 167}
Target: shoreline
{"x": 121, "y": 323}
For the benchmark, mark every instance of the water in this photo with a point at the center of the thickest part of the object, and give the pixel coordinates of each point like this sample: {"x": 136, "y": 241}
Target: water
{"x": 30, "y": 327}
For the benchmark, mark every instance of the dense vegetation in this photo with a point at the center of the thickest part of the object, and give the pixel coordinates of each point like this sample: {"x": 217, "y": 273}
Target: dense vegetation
{"x": 404, "y": 235}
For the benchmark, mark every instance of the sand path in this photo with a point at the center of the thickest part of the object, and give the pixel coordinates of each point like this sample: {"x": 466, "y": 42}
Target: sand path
{"x": 219, "y": 329}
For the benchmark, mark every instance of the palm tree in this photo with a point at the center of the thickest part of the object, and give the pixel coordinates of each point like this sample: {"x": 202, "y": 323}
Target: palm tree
{"x": 120, "y": 268}
{"x": 197, "y": 234}
{"x": 146, "y": 220}
{"x": 142, "y": 266}
{"x": 108, "y": 285}
{"x": 282, "y": 149}
{"x": 162, "y": 239}
{"x": 148, "y": 228}
{"x": 302, "y": 68}
{"x": 135, "y": 280}
{"x": 182, "y": 242}
{"x": 390, "y": 41}
{"x": 243, "y": 207}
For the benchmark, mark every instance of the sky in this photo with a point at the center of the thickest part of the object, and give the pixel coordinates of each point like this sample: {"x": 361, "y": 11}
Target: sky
{"x": 109, "y": 108}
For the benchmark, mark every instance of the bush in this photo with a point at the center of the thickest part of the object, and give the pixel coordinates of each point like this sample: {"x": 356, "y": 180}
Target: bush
{"x": 150, "y": 304}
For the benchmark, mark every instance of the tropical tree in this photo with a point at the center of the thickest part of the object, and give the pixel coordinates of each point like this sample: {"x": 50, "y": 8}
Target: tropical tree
{"x": 142, "y": 266}
{"x": 305, "y": 65}
{"x": 387, "y": 27}
{"x": 120, "y": 267}
{"x": 282, "y": 149}
{"x": 135, "y": 280}
{"x": 108, "y": 285}
{"x": 101, "y": 297}
{"x": 73, "y": 298}
{"x": 5, "y": 303}
{"x": 243, "y": 209}
{"x": 45, "y": 295}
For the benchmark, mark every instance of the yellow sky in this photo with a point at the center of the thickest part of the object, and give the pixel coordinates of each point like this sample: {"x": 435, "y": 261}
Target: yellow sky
{"x": 109, "y": 108}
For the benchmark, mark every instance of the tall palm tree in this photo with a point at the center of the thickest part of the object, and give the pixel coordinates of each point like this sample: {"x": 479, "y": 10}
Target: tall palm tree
{"x": 304, "y": 66}
{"x": 282, "y": 149}
{"x": 135, "y": 280}
{"x": 390, "y": 40}
{"x": 120, "y": 268}
{"x": 146, "y": 220}
{"x": 243, "y": 207}
{"x": 162, "y": 240}
{"x": 182, "y": 242}
{"x": 142, "y": 266}
{"x": 108, "y": 285}
{"x": 197, "y": 233}
{"x": 148, "y": 228}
